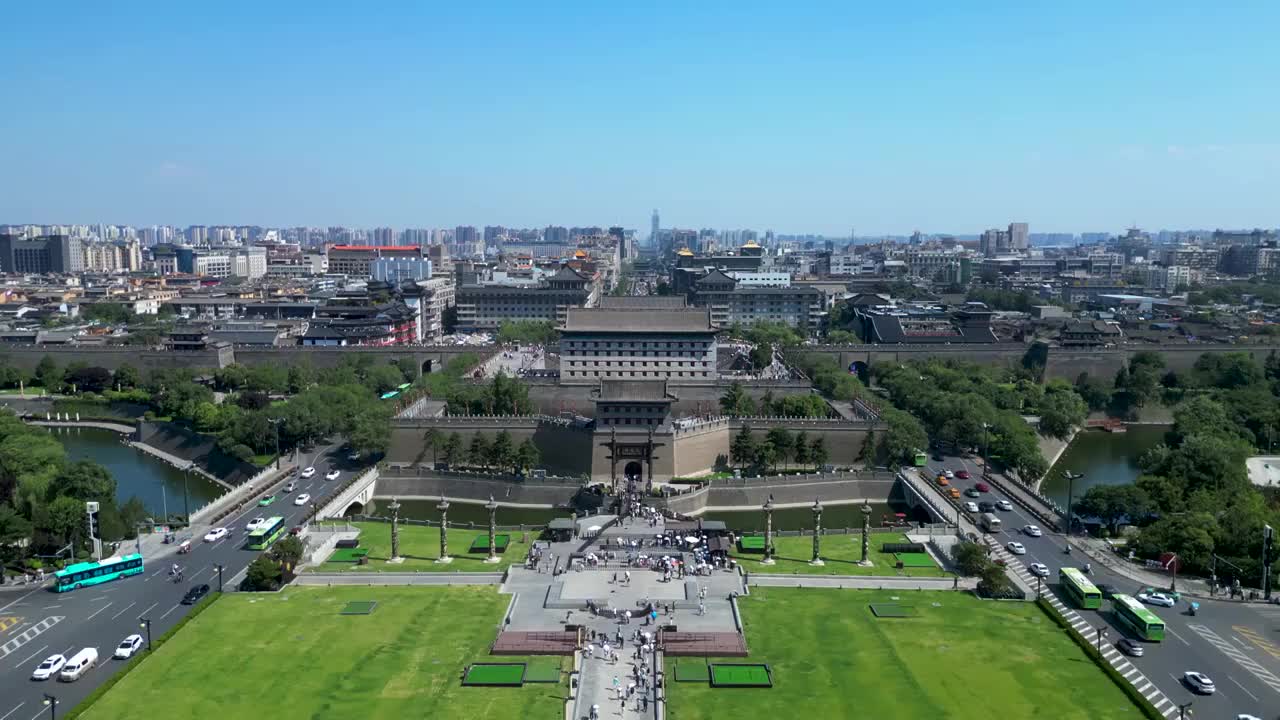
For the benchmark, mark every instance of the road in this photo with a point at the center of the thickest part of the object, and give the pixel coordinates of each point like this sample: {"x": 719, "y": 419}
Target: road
{"x": 39, "y": 623}
{"x": 1235, "y": 644}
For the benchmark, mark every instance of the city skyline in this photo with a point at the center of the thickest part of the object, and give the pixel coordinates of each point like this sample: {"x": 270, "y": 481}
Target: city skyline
{"x": 817, "y": 121}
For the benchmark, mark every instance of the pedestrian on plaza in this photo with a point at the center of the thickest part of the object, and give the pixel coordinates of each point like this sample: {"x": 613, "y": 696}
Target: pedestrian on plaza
{"x": 627, "y": 575}
{"x": 627, "y": 615}
{"x": 591, "y": 650}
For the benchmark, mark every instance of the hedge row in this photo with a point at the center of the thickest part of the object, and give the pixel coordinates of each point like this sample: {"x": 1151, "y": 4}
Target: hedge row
{"x": 1143, "y": 704}
{"x": 102, "y": 689}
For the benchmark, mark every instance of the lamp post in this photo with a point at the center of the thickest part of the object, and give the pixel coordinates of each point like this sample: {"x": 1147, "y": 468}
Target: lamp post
{"x": 1071, "y": 477}
{"x": 866, "y": 534}
{"x": 394, "y": 507}
{"x": 492, "y": 507}
{"x": 768, "y": 531}
{"x": 1101, "y": 632}
{"x": 146, "y": 623}
{"x": 52, "y": 703}
{"x": 817, "y": 533}
{"x": 219, "y": 566}
{"x": 985, "y": 462}
{"x": 1268, "y": 539}
{"x": 1038, "y": 586}
{"x": 1184, "y": 710}
{"x": 443, "y": 507}
{"x": 186, "y": 497}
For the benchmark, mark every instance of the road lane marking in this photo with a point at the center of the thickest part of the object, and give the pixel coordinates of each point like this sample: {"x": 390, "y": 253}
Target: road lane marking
{"x": 1244, "y": 661}
{"x": 1258, "y": 640}
{"x": 15, "y": 709}
{"x": 104, "y": 597}
{"x": 9, "y": 621}
{"x": 99, "y": 611}
{"x": 30, "y": 657}
{"x": 51, "y": 607}
{"x": 166, "y": 613}
{"x": 19, "y": 600}
{"x": 1245, "y": 689}
{"x": 126, "y": 608}
{"x": 1176, "y": 635}
{"x": 144, "y": 612}
{"x": 29, "y": 634}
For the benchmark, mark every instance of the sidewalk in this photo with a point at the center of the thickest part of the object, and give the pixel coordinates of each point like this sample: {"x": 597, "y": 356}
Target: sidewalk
{"x": 1098, "y": 550}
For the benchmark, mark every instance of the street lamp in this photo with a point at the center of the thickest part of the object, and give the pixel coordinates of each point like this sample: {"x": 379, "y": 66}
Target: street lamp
{"x": 1101, "y": 633}
{"x": 52, "y": 703}
{"x": 219, "y": 566}
{"x": 1071, "y": 477}
{"x": 986, "y": 471}
{"x": 1184, "y": 710}
{"x": 144, "y": 622}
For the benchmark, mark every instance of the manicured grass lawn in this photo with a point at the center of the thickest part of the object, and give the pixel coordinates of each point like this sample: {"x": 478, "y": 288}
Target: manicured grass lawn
{"x": 291, "y": 655}
{"x": 841, "y": 554}
{"x": 965, "y": 660}
{"x": 420, "y": 546}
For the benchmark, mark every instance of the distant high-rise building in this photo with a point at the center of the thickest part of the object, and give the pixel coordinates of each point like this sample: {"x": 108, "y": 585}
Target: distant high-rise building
{"x": 654, "y": 229}
{"x": 492, "y": 233}
{"x": 384, "y": 236}
{"x": 465, "y": 235}
{"x": 1019, "y": 234}
{"x": 555, "y": 234}
{"x": 46, "y": 254}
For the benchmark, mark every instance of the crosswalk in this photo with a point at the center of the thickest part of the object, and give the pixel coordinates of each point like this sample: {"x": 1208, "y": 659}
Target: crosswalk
{"x": 1114, "y": 657}
{"x": 1232, "y": 651}
{"x": 29, "y": 634}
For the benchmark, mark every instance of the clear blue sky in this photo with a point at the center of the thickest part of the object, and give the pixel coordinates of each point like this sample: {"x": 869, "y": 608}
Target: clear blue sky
{"x": 885, "y": 117}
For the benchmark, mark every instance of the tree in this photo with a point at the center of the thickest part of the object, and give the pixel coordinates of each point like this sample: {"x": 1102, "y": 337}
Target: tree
{"x": 1060, "y": 411}
{"x": 742, "y": 449}
{"x": 371, "y": 433}
{"x": 433, "y": 439}
{"x": 992, "y": 581}
{"x": 780, "y": 439}
{"x": 251, "y": 400}
{"x": 766, "y": 456}
{"x": 867, "y": 453}
{"x": 528, "y": 456}
{"x": 66, "y": 519}
{"x": 736, "y": 402}
{"x": 818, "y": 451}
{"x": 903, "y": 435}
{"x": 301, "y": 377}
{"x": 762, "y": 356}
{"x": 13, "y": 530}
{"x": 502, "y": 452}
{"x": 89, "y": 379}
{"x": 126, "y": 376}
{"x": 452, "y": 448}
{"x": 800, "y": 449}
{"x": 263, "y": 574}
{"x": 478, "y": 454}
{"x": 1093, "y": 391}
{"x": 84, "y": 480}
{"x": 49, "y": 374}
{"x": 1114, "y": 503}
{"x": 288, "y": 552}
{"x": 970, "y": 558}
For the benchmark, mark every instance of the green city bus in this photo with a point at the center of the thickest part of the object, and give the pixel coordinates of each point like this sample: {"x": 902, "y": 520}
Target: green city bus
{"x": 74, "y": 577}
{"x": 1135, "y": 616}
{"x": 271, "y": 531}
{"x": 920, "y": 459}
{"x": 1083, "y": 592}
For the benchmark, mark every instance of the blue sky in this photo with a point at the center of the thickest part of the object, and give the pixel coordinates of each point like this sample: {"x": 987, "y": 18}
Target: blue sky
{"x": 885, "y": 117}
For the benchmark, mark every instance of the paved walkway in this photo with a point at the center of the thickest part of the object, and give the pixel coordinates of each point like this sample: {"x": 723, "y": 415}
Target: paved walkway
{"x": 180, "y": 463}
{"x": 861, "y": 582}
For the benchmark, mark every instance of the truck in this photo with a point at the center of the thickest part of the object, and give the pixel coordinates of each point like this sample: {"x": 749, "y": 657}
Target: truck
{"x": 989, "y": 522}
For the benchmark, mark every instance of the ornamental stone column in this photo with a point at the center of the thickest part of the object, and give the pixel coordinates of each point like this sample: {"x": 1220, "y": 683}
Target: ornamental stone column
{"x": 866, "y": 534}
{"x": 394, "y": 507}
{"x": 492, "y": 507}
{"x": 817, "y": 533}
{"x": 768, "y": 532}
{"x": 443, "y": 507}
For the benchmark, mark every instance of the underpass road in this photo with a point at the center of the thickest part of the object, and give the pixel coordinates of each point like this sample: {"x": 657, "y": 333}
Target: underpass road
{"x": 1235, "y": 644}
{"x": 103, "y": 615}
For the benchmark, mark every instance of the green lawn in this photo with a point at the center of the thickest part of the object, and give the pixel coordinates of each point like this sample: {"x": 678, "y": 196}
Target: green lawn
{"x": 291, "y": 655}
{"x": 420, "y": 546}
{"x": 966, "y": 659}
{"x": 841, "y": 554}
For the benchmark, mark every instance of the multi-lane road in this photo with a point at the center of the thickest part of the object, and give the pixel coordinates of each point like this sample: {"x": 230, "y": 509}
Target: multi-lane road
{"x": 39, "y": 623}
{"x": 1236, "y": 644}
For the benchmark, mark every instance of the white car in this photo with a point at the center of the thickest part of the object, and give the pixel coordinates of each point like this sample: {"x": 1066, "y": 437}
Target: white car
{"x": 302, "y": 499}
{"x": 1039, "y": 569}
{"x": 948, "y": 474}
{"x": 1156, "y": 599}
{"x": 128, "y": 647}
{"x": 1032, "y": 531}
{"x": 1198, "y": 682}
{"x": 215, "y": 534}
{"x": 971, "y": 507}
{"x": 1004, "y": 505}
{"x": 332, "y": 475}
{"x": 255, "y": 523}
{"x": 49, "y": 667}
{"x": 1016, "y": 548}
{"x": 309, "y": 472}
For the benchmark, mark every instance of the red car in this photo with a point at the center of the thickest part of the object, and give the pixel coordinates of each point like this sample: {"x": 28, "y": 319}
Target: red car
{"x": 983, "y": 487}
{"x": 962, "y": 474}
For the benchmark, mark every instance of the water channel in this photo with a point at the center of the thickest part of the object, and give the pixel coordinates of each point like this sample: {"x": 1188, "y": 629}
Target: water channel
{"x": 1105, "y": 459}
{"x": 155, "y": 482}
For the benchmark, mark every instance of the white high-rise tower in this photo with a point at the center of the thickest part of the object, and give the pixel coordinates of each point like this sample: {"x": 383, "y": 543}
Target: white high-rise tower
{"x": 653, "y": 229}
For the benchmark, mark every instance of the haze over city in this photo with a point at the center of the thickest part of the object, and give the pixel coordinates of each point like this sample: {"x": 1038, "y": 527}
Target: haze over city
{"x": 822, "y": 119}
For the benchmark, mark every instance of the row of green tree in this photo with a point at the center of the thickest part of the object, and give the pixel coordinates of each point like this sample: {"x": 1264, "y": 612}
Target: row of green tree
{"x": 528, "y": 332}
{"x": 43, "y": 496}
{"x": 971, "y": 407}
{"x": 736, "y": 402}
{"x": 778, "y": 447}
{"x": 500, "y": 453}
{"x": 1194, "y": 496}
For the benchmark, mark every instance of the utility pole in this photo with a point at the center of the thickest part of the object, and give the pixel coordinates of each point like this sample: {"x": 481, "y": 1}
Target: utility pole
{"x": 1072, "y": 477}
{"x": 91, "y": 509}
{"x": 1268, "y": 540}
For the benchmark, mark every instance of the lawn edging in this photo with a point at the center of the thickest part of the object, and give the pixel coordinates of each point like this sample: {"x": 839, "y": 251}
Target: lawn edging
{"x": 1143, "y": 704}
{"x": 93, "y": 697}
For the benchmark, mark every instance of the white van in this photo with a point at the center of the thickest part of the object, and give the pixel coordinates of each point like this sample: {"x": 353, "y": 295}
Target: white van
{"x": 78, "y": 665}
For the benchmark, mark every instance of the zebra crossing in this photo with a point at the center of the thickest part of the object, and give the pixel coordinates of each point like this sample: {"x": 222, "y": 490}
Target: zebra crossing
{"x": 29, "y": 634}
{"x": 1114, "y": 657}
{"x": 1232, "y": 651}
